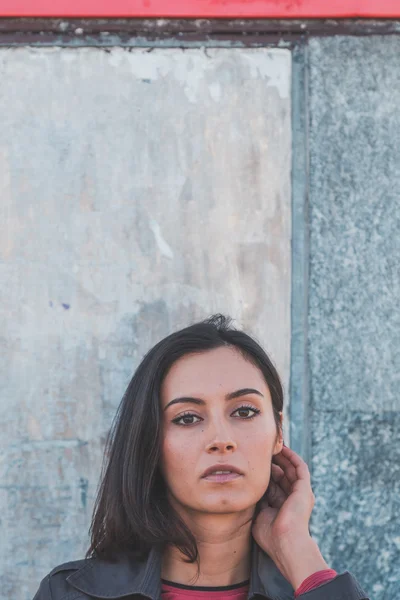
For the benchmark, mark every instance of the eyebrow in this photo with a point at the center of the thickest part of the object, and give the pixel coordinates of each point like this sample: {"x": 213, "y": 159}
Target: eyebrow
{"x": 199, "y": 401}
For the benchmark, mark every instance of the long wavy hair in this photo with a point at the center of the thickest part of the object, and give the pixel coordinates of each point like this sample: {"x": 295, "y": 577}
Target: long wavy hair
{"x": 131, "y": 513}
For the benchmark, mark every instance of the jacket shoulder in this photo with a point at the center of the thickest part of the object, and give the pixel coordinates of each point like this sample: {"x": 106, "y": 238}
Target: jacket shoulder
{"x": 72, "y": 565}
{"x": 54, "y": 586}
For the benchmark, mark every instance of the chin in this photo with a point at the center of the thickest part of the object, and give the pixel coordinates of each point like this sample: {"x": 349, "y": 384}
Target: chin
{"x": 228, "y": 508}
{"x": 223, "y": 503}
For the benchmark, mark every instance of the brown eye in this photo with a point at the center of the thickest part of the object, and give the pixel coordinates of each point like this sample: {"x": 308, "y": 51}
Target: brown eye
{"x": 243, "y": 412}
{"x": 186, "y": 419}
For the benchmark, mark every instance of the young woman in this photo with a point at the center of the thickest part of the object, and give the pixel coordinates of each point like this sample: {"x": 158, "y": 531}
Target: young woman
{"x": 200, "y": 498}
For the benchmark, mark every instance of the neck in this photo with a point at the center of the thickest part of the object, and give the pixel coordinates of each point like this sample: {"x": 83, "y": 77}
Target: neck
{"x": 224, "y": 546}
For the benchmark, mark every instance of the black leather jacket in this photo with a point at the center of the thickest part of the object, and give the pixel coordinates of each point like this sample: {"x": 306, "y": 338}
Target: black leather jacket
{"x": 93, "y": 578}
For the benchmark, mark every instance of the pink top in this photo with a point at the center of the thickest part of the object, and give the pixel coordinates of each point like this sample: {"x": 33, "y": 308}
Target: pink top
{"x": 177, "y": 591}
{"x": 238, "y": 591}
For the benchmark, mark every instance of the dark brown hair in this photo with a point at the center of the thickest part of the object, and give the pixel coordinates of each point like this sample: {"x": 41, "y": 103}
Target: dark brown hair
{"x": 131, "y": 513}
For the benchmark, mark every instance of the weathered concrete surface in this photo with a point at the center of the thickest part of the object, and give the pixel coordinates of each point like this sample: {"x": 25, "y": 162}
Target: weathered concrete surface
{"x": 354, "y": 318}
{"x": 140, "y": 191}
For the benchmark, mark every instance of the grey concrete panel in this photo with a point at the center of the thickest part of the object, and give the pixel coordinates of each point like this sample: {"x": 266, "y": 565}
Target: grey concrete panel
{"x": 354, "y": 317}
{"x": 355, "y": 223}
{"x": 140, "y": 191}
{"x": 356, "y": 481}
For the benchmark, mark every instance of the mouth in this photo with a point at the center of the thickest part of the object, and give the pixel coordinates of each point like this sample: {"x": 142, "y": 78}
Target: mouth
{"x": 222, "y": 473}
{"x": 222, "y": 476}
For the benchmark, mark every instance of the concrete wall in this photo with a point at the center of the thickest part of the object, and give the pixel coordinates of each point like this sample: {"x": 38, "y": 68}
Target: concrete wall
{"x": 143, "y": 190}
{"x": 140, "y": 191}
{"x": 354, "y": 317}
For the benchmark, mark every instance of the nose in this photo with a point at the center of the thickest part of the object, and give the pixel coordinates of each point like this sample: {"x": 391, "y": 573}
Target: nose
{"x": 221, "y": 447}
{"x": 221, "y": 443}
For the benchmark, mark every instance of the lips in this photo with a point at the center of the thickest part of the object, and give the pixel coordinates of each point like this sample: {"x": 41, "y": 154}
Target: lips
{"x": 221, "y": 467}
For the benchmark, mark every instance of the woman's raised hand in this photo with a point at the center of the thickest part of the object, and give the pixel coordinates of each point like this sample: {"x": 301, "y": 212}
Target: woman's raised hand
{"x": 281, "y": 528}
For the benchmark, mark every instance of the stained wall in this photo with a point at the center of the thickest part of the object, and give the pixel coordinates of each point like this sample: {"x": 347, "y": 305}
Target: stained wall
{"x": 140, "y": 191}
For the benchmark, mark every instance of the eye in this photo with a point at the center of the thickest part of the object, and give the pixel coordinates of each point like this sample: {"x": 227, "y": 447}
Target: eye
{"x": 186, "y": 417}
{"x": 245, "y": 409}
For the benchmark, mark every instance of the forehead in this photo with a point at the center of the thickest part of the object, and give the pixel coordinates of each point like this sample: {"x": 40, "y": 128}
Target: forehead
{"x": 210, "y": 373}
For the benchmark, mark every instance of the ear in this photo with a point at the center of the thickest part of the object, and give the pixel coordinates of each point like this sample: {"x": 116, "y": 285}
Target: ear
{"x": 279, "y": 439}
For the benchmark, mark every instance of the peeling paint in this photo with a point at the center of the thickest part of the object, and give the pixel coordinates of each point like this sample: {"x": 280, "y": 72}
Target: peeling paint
{"x": 164, "y": 248}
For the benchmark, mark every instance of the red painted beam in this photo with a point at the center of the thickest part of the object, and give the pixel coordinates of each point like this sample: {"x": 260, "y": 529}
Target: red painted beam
{"x": 251, "y": 9}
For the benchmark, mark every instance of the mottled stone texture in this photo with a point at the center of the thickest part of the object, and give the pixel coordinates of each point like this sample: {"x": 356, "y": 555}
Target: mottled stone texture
{"x": 354, "y": 317}
{"x": 140, "y": 191}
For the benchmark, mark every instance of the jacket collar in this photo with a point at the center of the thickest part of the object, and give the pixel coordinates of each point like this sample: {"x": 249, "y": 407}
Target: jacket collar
{"x": 102, "y": 579}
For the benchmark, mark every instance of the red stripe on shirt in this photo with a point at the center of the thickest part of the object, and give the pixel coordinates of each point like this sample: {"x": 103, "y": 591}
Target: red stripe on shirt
{"x": 315, "y": 580}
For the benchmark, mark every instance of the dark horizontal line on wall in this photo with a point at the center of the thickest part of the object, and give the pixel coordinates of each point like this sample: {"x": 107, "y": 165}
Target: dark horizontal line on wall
{"x": 170, "y": 27}
{"x": 107, "y": 40}
{"x": 182, "y": 32}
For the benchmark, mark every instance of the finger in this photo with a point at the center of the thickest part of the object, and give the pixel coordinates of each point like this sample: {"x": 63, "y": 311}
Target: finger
{"x": 275, "y": 496}
{"x": 279, "y": 486}
{"x": 278, "y": 475}
{"x": 287, "y": 467}
{"x": 299, "y": 464}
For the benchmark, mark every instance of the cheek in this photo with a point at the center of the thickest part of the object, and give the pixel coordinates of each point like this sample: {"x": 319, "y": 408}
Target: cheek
{"x": 259, "y": 448}
{"x": 178, "y": 457}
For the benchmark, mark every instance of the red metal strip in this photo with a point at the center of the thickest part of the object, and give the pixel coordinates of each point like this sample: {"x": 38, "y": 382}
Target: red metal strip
{"x": 251, "y": 9}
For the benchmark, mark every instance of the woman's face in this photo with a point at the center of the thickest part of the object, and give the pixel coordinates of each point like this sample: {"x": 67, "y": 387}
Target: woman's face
{"x": 217, "y": 409}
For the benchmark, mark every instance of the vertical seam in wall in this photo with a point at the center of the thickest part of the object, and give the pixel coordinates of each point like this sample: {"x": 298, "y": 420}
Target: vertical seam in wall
{"x": 299, "y": 410}
{"x": 307, "y": 437}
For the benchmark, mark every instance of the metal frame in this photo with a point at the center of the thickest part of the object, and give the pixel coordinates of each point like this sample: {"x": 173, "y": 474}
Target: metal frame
{"x": 272, "y": 9}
